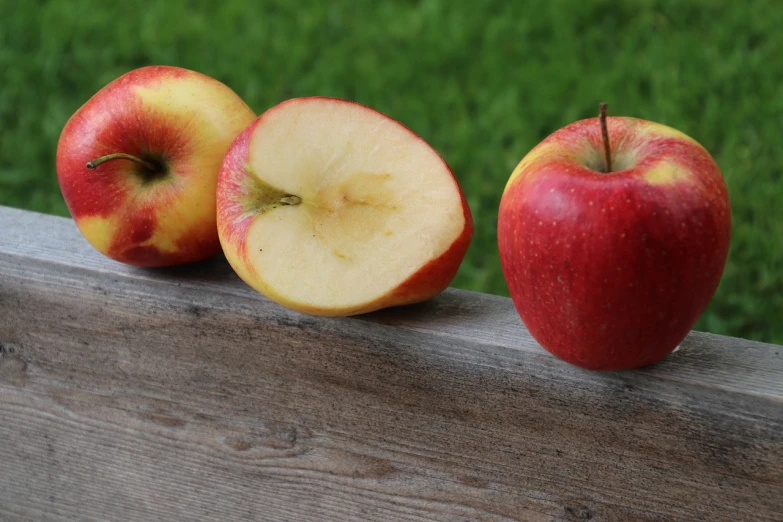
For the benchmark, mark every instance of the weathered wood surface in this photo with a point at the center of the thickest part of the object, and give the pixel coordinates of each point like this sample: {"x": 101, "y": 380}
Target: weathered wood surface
{"x": 181, "y": 394}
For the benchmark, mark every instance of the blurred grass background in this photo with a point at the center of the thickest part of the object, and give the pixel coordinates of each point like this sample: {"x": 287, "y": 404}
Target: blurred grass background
{"x": 482, "y": 82}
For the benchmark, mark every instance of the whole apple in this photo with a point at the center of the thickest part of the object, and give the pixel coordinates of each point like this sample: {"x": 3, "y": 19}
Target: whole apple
{"x": 613, "y": 234}
{"x": 137, "y": 164}
{"x": 331, "y": 208}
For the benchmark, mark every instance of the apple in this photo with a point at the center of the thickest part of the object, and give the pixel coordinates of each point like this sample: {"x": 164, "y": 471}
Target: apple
{"x": 613, "y": 234}
{"x": 137, "y": 164}
{"x": 331, "y": 208}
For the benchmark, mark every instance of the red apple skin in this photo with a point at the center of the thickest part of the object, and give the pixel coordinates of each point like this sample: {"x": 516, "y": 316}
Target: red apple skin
{"x": 611, "y": 271}
{"x": 181, "y": 117}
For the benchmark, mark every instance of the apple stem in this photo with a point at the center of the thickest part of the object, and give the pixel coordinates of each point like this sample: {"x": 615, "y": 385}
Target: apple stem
{"x": 290, "y": 200}
{"x": 92, "y": 165}
{"x": 605, "y": 134}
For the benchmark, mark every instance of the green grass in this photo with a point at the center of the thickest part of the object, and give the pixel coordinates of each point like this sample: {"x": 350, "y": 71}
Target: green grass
{"x": 483, "y": 83}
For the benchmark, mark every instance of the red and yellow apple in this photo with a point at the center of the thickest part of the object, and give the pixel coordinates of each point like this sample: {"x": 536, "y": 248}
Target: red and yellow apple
{"x": 330, "y": 208}
{"x": 138, "y": 163}
{"x": 609, "y": 268}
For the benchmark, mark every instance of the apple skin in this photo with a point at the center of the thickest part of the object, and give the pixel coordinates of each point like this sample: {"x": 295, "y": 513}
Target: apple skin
{"x": 235, "y": 196}
{"x": 610, "y": 271}
{"x": 181, "y": 119}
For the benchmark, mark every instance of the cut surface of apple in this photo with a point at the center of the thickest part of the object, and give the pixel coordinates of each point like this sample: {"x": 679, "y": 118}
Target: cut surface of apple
{"x": 331, "y": 208}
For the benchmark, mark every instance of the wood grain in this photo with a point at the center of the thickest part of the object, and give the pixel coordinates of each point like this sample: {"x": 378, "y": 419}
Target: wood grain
{"x": 181, "y": 394}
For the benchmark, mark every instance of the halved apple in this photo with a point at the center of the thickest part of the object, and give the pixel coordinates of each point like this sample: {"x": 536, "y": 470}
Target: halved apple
{"x": 331, "y": 208}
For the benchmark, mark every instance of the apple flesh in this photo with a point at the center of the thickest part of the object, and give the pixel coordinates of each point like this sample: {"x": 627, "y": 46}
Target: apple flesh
{"x": 159, "y": 135}
{"x": 330, "y": 208}
{"x": 610, "y": 270}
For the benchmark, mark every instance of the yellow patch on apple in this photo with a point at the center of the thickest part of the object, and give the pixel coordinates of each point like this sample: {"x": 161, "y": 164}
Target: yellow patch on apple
{"x": 665, "y": 173}
{"x": 98, "y": 230}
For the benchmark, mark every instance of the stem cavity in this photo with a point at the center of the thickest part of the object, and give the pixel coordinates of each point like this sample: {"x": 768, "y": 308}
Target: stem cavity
{"x": 605, "y": 134}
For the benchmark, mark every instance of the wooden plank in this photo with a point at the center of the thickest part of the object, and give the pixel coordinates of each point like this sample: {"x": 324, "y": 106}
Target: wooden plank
{"x": 181, "y": 394}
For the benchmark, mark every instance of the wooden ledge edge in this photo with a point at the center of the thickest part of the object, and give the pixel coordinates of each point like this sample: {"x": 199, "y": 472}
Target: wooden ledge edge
{"x": 32, "y": 241}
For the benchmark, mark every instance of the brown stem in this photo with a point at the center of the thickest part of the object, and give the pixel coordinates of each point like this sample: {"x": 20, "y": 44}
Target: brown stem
{"x": 605, "y": 134}
{"x": 92, "y": 165}
{"x": 290, "y": 200}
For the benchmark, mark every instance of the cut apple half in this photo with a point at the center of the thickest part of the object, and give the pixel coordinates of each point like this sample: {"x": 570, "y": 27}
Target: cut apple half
{"x": 329, "y": 207}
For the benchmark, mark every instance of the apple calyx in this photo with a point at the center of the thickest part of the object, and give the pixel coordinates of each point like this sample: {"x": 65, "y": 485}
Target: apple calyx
{"x": 605, "y": 135}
